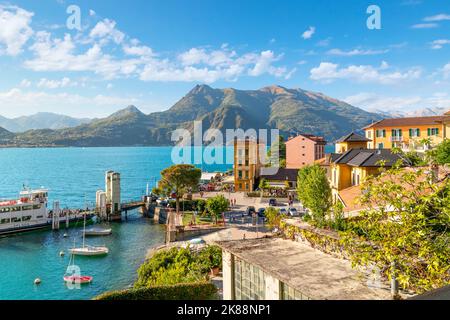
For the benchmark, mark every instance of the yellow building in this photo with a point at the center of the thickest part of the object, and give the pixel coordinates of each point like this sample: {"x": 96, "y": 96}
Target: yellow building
{"x": 247, "y": 164}
{"x": 354, "y": 166}
{"x": 351, "y": 141}
{"x": 408, "y": 133}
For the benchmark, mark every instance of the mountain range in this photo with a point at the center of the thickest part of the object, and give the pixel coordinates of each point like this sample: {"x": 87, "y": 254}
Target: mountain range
{"x": 290, "y": 110}
{"x": 41, "y": 120}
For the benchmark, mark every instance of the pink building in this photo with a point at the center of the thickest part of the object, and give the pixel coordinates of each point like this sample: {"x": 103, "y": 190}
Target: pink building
{"x": 304, "y": 149}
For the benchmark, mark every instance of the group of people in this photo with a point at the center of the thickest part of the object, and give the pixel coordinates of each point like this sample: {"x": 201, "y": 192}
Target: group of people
{"x": 232, "y": 202}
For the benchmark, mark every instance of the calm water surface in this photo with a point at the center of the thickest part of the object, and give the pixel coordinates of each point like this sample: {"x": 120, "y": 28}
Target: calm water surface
{"x": 73, "y": 175}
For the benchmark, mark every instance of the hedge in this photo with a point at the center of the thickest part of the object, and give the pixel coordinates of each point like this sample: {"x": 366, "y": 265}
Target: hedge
{"x": 190, "y": 205}
{"x": 183, "y": 291}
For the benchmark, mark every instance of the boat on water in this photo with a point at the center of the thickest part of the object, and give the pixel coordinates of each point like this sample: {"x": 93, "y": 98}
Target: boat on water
{"x": 89, "y": 251}
{"x": 86, "y": 250}
{"x": 97, "y": 232}
{"x": 70, "y": 277}
{"x": 30, "y": 212}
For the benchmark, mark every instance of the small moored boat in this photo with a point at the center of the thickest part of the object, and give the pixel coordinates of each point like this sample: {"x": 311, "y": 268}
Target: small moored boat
{"x": 97, "y": 232}
{"x": 78, "y": 279}
{"x": 89, "y": 251}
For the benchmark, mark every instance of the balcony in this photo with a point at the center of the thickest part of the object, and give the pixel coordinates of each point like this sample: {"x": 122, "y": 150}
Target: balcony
{"x": 397, "y": 139}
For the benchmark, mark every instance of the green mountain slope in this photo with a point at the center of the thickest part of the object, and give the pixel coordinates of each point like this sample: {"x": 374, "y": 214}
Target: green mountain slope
{"x": 290, "y": 110}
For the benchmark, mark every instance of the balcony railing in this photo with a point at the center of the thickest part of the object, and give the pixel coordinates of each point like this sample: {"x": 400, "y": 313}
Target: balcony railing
{"x": 396, "y": 138}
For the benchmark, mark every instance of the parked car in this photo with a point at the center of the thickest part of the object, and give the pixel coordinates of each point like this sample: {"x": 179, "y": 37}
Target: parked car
{"x": 273, "y": 202}
{"x": 250, "y": 210}
{"x": 261, "y": 212}
{"x": 283, "y": 211}
{"x": 293, "y": 212}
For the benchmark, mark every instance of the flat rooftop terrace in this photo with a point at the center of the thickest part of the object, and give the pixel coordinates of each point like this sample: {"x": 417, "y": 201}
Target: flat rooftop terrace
{"x": 312, "y": 272}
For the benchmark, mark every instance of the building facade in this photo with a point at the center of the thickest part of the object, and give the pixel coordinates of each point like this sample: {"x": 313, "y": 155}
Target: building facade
{"x": 247, "y": 163}
{"x": 354, "y": 166}
{"x": 303, "y": 150}
{"x": 352, "y": 141}
{"x": 408, "y": 133}
{"x": 278, "y": 269}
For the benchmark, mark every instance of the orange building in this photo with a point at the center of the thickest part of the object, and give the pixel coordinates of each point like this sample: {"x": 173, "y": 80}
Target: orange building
{"x": 304, "y": 149}
{"x": 247, "y": 163}
{"x": 408, "y": 133}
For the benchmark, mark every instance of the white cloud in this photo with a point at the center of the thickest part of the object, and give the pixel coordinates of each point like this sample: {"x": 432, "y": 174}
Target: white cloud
{"x": 137, "y": 50}
{"x": 324, "y": 42}
{"x": 309, "y": 33}
{"x": 328, "y": 72}
{"x": 209, "y": 66}
{"x": 25, "y": 83}
{"x": 29, "y": 102}
{"x": 380, "y": 103}
{"x": 15, "y": 29}
{"x": 106, "y": 30}
{"x": 425, "y": 26}
{"x": 59, "y": 55}
{"x": 92, "y": 13}
{"x": 446, "y": 71}
{"x": 80, "y": 54}
{"x": 355, "y": 52}
{"x": 438, "y": 17}
{"x": 55, "y": 84}
{"x": 439, "y": 44}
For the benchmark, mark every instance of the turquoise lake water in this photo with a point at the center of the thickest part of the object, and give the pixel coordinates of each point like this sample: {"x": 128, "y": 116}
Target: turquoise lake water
{"x": 73, "y": 175}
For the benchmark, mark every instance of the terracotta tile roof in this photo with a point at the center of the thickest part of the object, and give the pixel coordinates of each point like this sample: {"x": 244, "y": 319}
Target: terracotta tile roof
{"x": 415, "y": 121}
{"x": 350, "y": 196}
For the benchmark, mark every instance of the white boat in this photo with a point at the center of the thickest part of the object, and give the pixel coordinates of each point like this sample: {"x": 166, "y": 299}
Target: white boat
{"x": 97, "y": 232}
{"x": 27, "y": 213}
{"x": 88, "y": 250}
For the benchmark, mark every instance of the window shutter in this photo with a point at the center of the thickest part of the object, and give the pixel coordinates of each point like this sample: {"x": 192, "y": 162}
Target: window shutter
{"x": 384, "y": 133}
{"x": 410, "y": 132}
{"x": 437, "y": 131}
{"x": 429, "y": 131}
{"x": 400, "y": 132}
{"x": 418, "y": 132}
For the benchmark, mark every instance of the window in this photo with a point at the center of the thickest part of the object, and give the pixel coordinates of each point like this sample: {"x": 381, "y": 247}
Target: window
{"x": 414, "y": 132}
{"x": 15, "y": 219}
{"x": 288, "y": 293}
{"x": 240, "y": 174}
{"x": 249, "y": 281}
{"x": 26, "y": 218}
{"x": 380, "y": 133}
{"x": 25, "y": 208}
{"x": 4, "y": 221}
{"x": 381, "y": 146}
{"x": 433, "y": 131}
{"x": 369, "y": 134}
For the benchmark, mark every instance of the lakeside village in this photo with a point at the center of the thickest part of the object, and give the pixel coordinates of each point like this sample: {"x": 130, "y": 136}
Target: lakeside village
{"x": 369, "y": 221}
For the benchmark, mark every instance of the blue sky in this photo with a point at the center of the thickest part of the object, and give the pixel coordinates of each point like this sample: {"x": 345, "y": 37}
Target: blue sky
{"x": 151, "y": 53}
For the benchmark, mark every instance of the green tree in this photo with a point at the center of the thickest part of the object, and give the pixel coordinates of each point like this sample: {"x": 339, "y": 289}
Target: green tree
{"x": 216, "y": 206}
{"x": 404, "y": 231}
{"x": 179, "y": 179}
{"x": 313, "y": 190}
{"x": 441, "y": 155}
{"x": 263, "y": 185}
{"x": 281, "y": 145}
{"x": 273, "y": 217}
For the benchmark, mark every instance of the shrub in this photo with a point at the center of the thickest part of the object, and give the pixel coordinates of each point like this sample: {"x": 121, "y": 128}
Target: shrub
{"x": 178, "y": 265}
{"x": 181, "y": 291}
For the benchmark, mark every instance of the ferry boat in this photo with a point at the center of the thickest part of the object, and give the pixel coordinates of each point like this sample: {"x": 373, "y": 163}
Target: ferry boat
{"x": 27, "y": 213}
{"x": 30, "y": 212}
